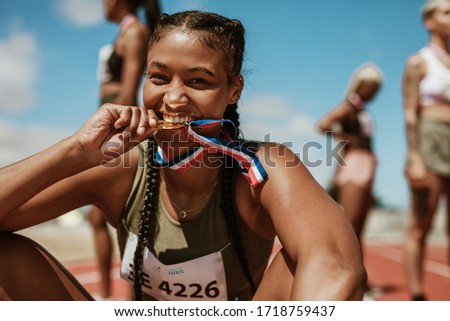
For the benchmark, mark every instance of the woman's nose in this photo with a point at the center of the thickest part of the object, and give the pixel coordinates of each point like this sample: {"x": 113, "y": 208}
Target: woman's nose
{"x": 175, "y": 96}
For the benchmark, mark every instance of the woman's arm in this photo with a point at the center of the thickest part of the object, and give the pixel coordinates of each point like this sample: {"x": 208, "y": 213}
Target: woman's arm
{"x": 134, "y": 49}
{"x": 334, "y": 117}
{"x": 110, "y": 132}
{"x": 415, "y": 70}
{"x": 320, "y": 246}
{"x": 332, "y": 121}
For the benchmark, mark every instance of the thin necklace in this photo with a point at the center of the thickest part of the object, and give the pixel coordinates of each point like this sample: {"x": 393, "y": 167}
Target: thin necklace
{"x": 183, "y": 213}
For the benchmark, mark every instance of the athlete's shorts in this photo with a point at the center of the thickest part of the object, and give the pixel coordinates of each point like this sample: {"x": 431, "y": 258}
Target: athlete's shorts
{"x": 434, "y": 146}
{"x": 359, "y": 168}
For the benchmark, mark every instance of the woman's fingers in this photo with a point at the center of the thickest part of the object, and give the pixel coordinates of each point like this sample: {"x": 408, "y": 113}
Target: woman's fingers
{"x": 135, "y": 120}
{"x": 147, "y": 121}
{"x": 114, "y": 129}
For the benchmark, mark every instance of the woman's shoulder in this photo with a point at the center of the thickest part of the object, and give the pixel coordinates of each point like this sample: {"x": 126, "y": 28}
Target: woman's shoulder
{"x": 137, "y": 29}
{"x": 416, "y": 60}
{"x": 275, "y": 156}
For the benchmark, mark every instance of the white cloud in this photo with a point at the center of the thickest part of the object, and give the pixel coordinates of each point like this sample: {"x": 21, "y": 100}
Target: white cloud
{"x": 271, "y": 117}
{"x": 81, "y": 13}
{"x": 19, "y": 67}
{"x": 18, "y": 141}
{"x": 264, "y": 114}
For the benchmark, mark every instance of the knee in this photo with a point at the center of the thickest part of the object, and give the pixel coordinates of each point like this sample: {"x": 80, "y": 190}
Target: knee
{"x": 13, "y": 243}
{"x": 3, "y": 295}
{"x": 13, "y": 247}
{"x": 15, "y": 251}
{"x": 97, "y": 219}
{"x": 419, "y": 232}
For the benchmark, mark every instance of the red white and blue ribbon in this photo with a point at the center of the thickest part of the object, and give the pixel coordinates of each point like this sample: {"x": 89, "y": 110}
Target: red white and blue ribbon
{"x": 246, "y": 159}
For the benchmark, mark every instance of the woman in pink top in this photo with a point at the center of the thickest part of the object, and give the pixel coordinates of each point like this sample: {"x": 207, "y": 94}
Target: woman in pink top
{"x": 350, "y": 122}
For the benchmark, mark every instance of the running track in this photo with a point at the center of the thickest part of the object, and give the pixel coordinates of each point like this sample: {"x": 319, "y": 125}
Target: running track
{"x": 383, "y": 263}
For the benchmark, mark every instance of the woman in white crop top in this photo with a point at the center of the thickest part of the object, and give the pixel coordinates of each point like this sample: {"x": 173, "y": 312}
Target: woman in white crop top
{"x": 426, "y": 100}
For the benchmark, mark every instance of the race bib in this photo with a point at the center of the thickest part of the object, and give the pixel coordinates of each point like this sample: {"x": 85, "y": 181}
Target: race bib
{"x": 200, "y": 279}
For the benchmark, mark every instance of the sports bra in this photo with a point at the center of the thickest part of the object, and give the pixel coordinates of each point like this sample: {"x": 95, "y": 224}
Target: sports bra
{"x": 361, "y": 128}
{"x": 435, "y": 86}
{"x": 115, "y": 63}
{"x": 110, "y": 64}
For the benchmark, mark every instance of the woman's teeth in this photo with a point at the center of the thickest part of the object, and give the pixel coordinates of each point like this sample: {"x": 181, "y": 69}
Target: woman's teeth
{"x": 176, "y": 119}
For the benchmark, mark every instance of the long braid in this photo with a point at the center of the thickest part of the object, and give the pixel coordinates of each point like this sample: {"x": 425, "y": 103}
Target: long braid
{"x": 232, "y": 114}
{"x": 227, "y": 198}
{"x": 147, "y": 224}
{"x": 227, "y": 205}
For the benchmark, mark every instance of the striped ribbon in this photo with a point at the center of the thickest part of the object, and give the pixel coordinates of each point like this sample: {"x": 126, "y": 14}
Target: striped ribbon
{"x": 246, "y": 159}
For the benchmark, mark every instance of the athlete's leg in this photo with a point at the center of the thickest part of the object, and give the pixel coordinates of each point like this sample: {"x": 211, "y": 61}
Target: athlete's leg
{"x": 28, "y": 272}
{"x": 3, "y": 295}
{"x": 356, "y": 201}
{"x": 276, "y": 284}
{"x": 447, "y": 191}
{"x": 103, "y": 249}
{"x": 424, "y": 203}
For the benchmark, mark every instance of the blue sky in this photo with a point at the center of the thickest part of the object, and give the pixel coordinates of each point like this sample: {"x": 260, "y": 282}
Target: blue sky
{"x": 300, "y": 55}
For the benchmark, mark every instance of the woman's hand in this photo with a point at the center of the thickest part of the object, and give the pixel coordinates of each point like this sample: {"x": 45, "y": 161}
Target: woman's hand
{"x": 113, "y": 130}
{"x": 415, "y": 170}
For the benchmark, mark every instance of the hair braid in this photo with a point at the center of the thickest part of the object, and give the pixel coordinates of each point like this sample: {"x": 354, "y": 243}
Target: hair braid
{"x": 227, "y": 205}
{"x": 232, "y": 114}
{"x": 147, "y": 224}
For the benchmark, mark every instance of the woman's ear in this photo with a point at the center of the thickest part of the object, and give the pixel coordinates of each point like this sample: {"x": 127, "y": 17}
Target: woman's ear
{"x": 237, "y": 85}
{"x": 428, "y": 23}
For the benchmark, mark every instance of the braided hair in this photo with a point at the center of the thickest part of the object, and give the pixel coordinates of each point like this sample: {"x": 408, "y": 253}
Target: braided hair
{"x": 147, "y": 224}
{"x": 227, "y": 37}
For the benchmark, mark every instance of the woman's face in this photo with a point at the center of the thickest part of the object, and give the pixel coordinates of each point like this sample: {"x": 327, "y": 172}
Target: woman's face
{"x": 108, "y": 9}
{"x": 439, "y": 20}
{"x": 186, "y": 80}
{"x": 367, "y": 90}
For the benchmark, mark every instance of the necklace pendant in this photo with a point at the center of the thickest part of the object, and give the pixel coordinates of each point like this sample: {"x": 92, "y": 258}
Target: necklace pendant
{"x": 183, "y": 214}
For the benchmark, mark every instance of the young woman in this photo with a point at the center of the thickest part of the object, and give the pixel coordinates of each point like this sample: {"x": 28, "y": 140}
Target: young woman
{"x": 426, "y": 100}
{"x": 351, "y": 122}
{"x": 196, "y": 209}
{"x": 120, "y": 70}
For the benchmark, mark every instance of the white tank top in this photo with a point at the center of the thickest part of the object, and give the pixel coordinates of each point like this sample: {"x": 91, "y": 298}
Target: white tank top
{"x": 435, "y": 87}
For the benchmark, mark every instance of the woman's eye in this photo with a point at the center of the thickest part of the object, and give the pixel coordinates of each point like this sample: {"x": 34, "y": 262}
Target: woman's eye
{"x": 157, "y": 78}
{"x": 198, "y": 81}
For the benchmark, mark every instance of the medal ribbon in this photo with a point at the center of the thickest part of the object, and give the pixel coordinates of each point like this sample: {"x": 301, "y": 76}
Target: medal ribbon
{"x": 246, "y": 159}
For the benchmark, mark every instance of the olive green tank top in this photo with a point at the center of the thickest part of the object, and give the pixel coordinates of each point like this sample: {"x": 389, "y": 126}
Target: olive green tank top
{"x": 179, "y": 242}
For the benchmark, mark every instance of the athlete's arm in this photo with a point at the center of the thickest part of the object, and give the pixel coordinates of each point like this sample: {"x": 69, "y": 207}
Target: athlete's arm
{"x": 414, "y": 72}
{"x": 110, "y": 132}
{"x": 321, "y": 250}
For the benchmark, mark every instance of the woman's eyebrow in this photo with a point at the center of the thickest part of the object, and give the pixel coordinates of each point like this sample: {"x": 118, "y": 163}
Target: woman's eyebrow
{"x": 158, "y": 64}
{"x": 205, "y": 70}
{"x": 202, "y": 69}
